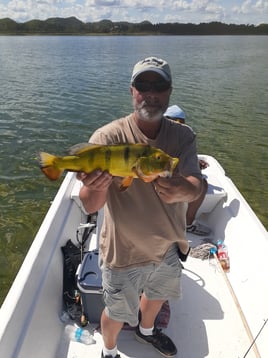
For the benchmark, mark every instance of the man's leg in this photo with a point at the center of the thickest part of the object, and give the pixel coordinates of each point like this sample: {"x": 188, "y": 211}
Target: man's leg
{"x": 110, "y": 330}
{"x": 149, "y": 310}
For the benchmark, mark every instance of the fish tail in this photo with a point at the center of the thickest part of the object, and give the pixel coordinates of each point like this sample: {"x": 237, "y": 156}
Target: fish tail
{"x": 48, "y": 167}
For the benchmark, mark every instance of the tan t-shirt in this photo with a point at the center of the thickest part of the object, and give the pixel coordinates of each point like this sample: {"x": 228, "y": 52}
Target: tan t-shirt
{"x": 138, "y": 227}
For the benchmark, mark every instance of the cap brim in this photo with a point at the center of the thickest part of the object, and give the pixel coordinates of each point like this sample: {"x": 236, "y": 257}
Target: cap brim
{"x": 157, "y": 70}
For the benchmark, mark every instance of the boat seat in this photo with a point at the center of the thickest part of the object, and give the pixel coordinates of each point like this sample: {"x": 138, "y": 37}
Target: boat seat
{"x": 215, "y": 194}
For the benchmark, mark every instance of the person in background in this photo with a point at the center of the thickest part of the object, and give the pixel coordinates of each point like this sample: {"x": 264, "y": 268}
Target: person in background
{"x": 177, "y": 114}
{"x": 143, "y": 229}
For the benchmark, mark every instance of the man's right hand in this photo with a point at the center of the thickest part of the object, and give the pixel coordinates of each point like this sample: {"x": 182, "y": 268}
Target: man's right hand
{"x": 96, "y": 180}
{"x": 93, "y": 193}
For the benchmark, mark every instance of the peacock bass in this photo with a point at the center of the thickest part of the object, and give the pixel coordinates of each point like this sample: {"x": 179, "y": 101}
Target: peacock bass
{"x": 123, "y": 160}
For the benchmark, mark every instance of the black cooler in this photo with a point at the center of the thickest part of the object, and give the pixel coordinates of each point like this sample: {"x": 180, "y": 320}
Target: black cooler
{"x": 89, "y": 282}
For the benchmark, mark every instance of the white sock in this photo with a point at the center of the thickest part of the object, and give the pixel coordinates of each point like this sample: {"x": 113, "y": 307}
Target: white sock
{"x": 146, "y": 331}
{"x": 109, "y": 352}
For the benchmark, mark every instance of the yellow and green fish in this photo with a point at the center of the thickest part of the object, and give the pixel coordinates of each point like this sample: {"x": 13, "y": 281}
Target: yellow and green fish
{"x": 123, "y": 160}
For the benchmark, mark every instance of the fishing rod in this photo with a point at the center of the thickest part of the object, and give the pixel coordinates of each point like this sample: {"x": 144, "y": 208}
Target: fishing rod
{"x": 242, "y": 316}
{"x": 254, "y": 340}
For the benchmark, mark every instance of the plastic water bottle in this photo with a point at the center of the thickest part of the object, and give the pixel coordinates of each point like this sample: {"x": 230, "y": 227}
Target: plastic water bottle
{"x": 222, "y": 253}
{"x": 78, "y": 334}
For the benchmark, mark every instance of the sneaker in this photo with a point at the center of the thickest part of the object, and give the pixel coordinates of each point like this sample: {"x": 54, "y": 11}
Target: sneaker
{"x": 109, "y": 356}
{"x": 162, "y": 343}
{"x": 198, "y": 229}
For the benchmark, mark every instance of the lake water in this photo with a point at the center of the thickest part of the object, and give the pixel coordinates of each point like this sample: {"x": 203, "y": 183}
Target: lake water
{"x": 54, "y": 91}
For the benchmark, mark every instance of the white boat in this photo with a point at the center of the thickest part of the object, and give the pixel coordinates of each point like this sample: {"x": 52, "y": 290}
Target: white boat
{"x": 220, "y": 314}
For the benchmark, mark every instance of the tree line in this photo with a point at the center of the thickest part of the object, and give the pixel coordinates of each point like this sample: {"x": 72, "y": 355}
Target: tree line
{"x": 73, "y": 26}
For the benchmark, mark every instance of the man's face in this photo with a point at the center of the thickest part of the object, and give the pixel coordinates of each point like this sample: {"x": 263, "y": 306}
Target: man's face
{"x": 150, "y": 93}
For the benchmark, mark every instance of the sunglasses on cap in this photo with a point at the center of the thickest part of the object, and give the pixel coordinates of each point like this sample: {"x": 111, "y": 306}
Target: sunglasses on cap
{"x": 180, "y": 120}
{"x": 146, "y": 86}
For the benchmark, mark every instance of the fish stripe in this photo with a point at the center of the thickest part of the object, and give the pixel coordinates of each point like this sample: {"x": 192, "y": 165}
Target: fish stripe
{"x": 146, "y": 151}
{"x": 126, "y": 154}
{"x": 91, "y": 157}
{"x": 108, "y": 155}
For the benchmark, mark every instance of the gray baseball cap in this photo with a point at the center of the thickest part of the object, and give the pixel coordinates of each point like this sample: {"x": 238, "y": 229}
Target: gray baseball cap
{"x": 152, "y": 64}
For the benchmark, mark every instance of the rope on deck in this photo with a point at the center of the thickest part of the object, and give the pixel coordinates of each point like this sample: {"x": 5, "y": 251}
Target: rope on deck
{"x": 202, "y": 251}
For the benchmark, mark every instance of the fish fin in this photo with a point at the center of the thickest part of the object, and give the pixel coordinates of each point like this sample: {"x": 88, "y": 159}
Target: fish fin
{"x": 52, "y": 173}
{"x": 46, "y": 163}
{"x": 81, "y": 148}
{"x": 149, "y": 179}
{"x": 126, "y": 182}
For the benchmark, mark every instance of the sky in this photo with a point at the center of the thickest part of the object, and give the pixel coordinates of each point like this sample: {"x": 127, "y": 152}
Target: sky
{"x": 183, "y": 11}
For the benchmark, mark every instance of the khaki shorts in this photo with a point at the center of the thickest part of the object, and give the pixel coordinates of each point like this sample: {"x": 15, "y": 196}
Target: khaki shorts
{"x": 122, "y": 288}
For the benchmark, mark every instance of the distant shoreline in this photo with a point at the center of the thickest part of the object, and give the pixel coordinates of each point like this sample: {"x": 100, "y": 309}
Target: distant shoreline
{"x": 118, "y": 34}
{"x": 72, "y": 26}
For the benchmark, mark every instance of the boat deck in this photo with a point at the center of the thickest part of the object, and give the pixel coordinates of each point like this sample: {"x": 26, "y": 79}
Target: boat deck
{"x": 205, "y": 323}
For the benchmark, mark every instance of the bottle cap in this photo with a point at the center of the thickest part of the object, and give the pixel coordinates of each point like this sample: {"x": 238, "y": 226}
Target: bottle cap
{"x": 213, "y": 250}
{"x": 78, "y": 334}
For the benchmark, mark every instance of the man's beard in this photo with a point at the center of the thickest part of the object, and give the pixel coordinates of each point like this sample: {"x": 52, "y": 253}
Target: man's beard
{"x": 149, "y": 113}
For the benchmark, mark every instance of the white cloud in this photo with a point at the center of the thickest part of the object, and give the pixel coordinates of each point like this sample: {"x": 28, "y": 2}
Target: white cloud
{"x": 196, "y": 11}
{"x": 251, "y": 12}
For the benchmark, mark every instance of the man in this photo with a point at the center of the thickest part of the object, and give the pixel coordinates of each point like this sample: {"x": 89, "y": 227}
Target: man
{"x": 193, "y": 226}
{"x": 144, "y": 226}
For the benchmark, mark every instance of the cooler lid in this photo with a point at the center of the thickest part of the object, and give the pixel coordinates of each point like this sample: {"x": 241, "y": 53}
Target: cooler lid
{"x": 90, "y": 275}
